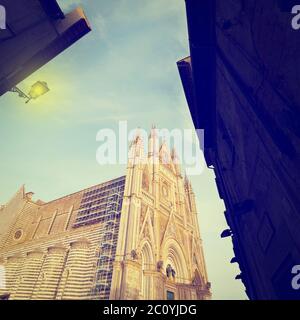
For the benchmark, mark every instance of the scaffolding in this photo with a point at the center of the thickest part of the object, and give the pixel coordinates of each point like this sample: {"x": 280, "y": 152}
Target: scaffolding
{"x": 103, "y": 205}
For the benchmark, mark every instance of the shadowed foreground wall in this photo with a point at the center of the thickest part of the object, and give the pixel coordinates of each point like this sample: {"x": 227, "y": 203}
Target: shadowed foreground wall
{"x": 242, "y": 87}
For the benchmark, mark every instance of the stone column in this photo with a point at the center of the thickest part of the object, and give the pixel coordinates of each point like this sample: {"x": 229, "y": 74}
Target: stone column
{"x": 159, "y": 280}
{"x": 115, "y": 290}
{"x": 50, "y": 276}
{"x": 130, "y": 285}
{"x": 28, "y": 275}
{"x": 77, "y": 279}
{"x": 12, "y": 266}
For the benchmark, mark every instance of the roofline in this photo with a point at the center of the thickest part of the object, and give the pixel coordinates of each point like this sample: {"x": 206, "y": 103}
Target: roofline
{"x": 85, "y": 189}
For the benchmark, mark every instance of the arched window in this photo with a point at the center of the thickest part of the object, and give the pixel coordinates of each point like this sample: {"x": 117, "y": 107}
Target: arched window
{"x": 197, "y": 281}
{"x": 147, "y": 264}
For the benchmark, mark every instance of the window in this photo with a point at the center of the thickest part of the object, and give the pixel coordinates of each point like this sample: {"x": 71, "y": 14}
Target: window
{"x": 18, "y": 234}
{"x": 170, "y": 295}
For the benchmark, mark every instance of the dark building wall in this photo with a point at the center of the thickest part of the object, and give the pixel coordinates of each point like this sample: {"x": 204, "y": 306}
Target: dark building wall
{"x": 251, "y": 131}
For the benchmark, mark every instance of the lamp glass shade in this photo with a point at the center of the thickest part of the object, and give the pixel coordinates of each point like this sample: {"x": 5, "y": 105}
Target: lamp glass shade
{"x": 38, "y": 89}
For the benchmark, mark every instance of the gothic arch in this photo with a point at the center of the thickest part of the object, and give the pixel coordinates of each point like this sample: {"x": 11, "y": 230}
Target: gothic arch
{"x": 173, "y": 254}
{"x": 147, "y": 261}
{"x": 198, "y": 279}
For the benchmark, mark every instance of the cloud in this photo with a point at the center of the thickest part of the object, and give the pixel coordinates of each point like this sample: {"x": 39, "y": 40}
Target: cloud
{"x": 99, "y": 26}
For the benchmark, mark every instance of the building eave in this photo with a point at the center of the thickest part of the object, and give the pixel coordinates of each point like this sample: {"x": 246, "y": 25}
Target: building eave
{"x": 202, "y": 70}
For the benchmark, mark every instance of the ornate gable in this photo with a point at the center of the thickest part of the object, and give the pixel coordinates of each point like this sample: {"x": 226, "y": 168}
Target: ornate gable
{"x": 165, "y": 158}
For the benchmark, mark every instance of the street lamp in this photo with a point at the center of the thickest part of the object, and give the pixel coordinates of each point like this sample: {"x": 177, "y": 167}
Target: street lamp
{"x": 38, "y": 89}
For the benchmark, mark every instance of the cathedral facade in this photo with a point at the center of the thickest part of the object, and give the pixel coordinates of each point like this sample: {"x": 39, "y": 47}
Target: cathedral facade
{"x": 134, "y": 237}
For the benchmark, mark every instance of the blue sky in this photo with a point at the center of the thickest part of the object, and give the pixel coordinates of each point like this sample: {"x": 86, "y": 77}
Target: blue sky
{"x": 125, "y": 69}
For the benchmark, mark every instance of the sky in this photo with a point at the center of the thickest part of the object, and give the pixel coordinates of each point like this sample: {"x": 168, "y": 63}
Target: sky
{"x": 125, "y": 69}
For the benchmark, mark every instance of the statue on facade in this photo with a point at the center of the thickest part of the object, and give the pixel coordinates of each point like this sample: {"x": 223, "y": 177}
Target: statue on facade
{"x": 170, "y": 272}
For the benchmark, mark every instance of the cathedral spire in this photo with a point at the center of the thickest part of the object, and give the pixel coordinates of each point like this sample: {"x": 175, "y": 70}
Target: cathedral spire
{"x": 187, "y": 183}
{"x": 176, "y": 161}
{"x": 153, "y": 142}
{"x": 186, "y": 179}
{"x": 136, "y": 151}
